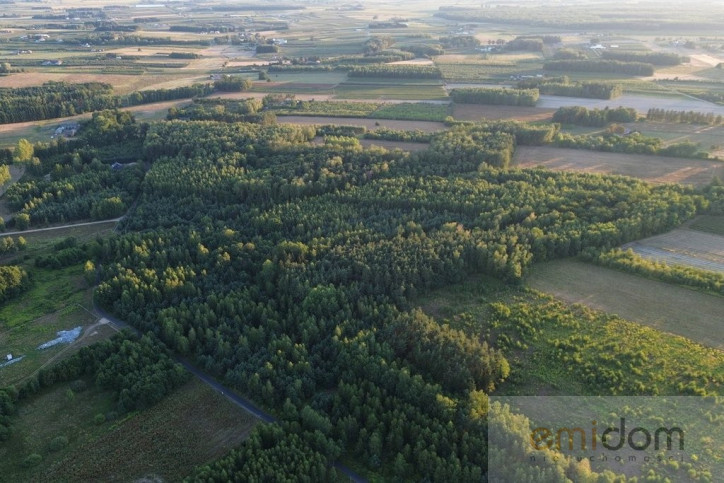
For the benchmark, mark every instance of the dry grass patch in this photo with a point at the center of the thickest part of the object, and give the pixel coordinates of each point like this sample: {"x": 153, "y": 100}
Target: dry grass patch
{"x": 683, "y": 247}
{"x": 665, "y": 307}
{"x": 476, "y": 112}
{"x": 654, "y": 169}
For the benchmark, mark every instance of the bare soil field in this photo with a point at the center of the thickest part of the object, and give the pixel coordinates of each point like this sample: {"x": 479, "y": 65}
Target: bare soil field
{"x": 426, "y": 126}
{"x": 683, "y": 247}
{"x": 641, "y": 103}
{"x": 654, "y": 169}
{"x": 476, "y": 112}
{"x": 666, "y": 307}
{"x": 122, "y": 83}
{"x": 413, "y": 62}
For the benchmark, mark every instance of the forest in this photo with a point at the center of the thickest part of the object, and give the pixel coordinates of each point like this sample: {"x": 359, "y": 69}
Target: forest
{"x": 287, "y": 269}
{"x": 370, "y": 302}
{"x": 60, "y": 99}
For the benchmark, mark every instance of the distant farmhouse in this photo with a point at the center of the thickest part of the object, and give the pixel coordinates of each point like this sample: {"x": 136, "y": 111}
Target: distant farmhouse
{"x": 67, "y": 130}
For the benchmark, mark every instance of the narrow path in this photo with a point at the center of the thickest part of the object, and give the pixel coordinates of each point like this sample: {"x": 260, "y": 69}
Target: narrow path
{"x": 70, "y": 225}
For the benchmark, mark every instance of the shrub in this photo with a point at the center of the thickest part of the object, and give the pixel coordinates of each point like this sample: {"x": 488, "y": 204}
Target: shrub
{"x": 32, "y": 460}
{"x": 58, "y": 443}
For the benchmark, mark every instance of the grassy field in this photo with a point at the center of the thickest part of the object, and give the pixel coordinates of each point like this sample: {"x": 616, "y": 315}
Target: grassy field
{"x": 709, "y": 224}
{"x": 552, "y": 345}
{"x": 392, "y": 90}
{"x": 59, "y": 299}
{"x": 683, "y": 247}
{"x": 709, "y": 137}
{"x": 665, "y": 307}
{"x": 476, "y": 112}
{"x": 654, "y": 169}
{"x": 191, "y": 426}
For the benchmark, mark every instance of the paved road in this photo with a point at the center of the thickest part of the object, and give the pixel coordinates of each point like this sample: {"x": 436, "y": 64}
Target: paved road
{"x": 70, "y": 225}
{"x": 207, "y": 379}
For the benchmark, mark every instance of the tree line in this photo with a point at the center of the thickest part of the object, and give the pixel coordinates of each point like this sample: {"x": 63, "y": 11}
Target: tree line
{"x": 629, "y": 261}
{"x": 396, "y": 71}
{"x": 654, "y": 58}
{"x": 495, "y": 96}
{"x": 684, "y": 117}
{"x": 582, "y": 116}
{"x": 60, "y": 99}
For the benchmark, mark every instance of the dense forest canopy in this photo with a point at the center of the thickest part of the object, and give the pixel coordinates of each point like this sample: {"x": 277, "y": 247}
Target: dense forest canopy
{"x": 288, "y": 270}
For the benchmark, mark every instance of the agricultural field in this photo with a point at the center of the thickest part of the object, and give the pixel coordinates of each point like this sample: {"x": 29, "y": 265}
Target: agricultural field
{"x": 477, "y": 112}
{"x": 425, "y": 126}
{"x": 662, "y": 306}
{"x": 390, "y": 90}
{"x": 709, "y": 137}
{"x": 654, "y": 169}
{"x": 709, "y": 224}
{"x": 642, "y": 103}
{"x": 191, "y": 426}
{"x": 683, "y": 247}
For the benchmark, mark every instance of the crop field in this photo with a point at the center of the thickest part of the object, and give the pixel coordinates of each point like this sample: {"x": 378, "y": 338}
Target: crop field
{"x": 683, "y": 247}
{"x": 191, "y": 426}
{"x": 426, "y": 126}
{"x": 709, "y": 224}
{"x": 642, "y": 103}
{"x": 654, "y": 169}
{"x": 390, "y": 90}
{"x": 476, "y": 112}
{"x": 122, "y": 83}
{"x": 665, "y": 307}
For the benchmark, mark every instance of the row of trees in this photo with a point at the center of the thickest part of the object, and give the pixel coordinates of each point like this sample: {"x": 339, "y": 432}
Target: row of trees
{"x": 59, "y": 99}
{"x": 594, "y": 117}
{"x": 654, "y": 58}
{"x": 396, "y": 71}
{"x": 629, "y": 261}
{"x": 495, "y": 96}
{"x": 593, "y": 90}
{"x": 688, "y": 117}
